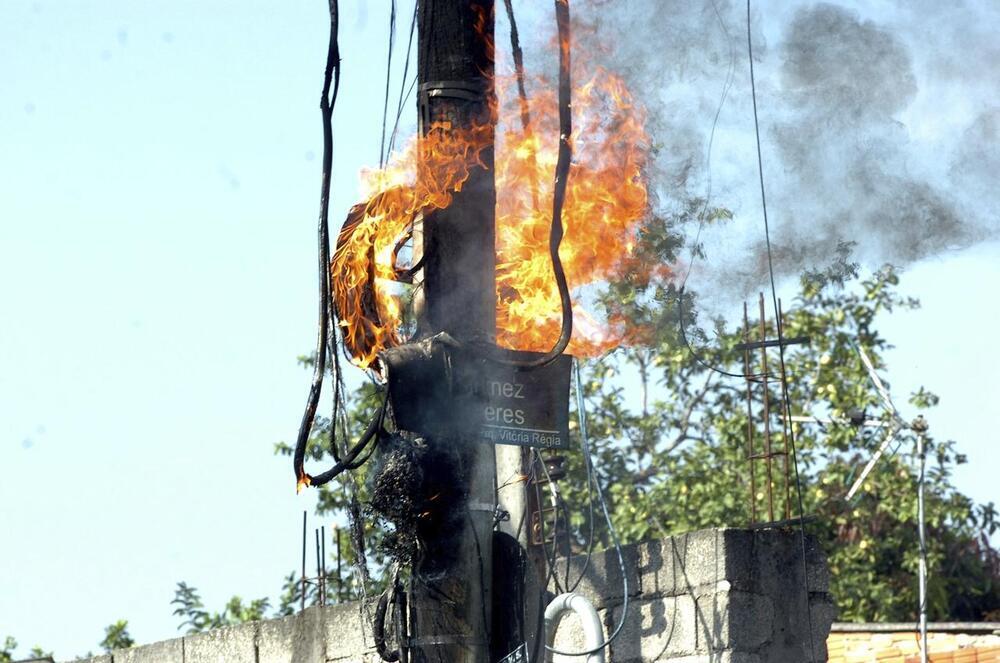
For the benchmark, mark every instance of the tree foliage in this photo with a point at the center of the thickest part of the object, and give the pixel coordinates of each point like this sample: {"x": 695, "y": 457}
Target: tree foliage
{"x": 116, "y": 636}
{"x": 670, "y": 436}
{"x": 197, "y": 619}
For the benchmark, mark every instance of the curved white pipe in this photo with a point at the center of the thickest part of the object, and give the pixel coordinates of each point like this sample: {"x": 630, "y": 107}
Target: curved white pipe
{"x": 593, "y": 631}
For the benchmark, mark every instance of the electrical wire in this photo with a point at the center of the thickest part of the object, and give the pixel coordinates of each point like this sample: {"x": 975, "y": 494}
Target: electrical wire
{"x": 726, "y": 87}
{"x": 388, "y": 78}
{"x": 331, "y": 77}
{"x": 404, "y": 92}
{"x": 563, "y": 163}
{"x": 778, "y": 325}
{"x": 585, "y": 444}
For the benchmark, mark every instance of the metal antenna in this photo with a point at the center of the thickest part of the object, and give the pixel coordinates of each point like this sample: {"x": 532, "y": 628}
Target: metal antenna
{"x": 898, "y": 424}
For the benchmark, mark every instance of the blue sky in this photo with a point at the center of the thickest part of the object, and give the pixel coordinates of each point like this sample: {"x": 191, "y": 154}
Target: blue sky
{"x": 158, "y": 190}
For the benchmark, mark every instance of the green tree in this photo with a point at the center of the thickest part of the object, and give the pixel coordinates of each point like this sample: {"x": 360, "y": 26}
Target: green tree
{"x": 7, "y": 651}
{"x": 673, "y": 452}
{"x": 116, "y": 636}
{"x": 197, "y": 619}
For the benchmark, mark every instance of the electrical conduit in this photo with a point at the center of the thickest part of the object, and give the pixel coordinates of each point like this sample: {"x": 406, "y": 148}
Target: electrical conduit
{"x": 593, "y": 631}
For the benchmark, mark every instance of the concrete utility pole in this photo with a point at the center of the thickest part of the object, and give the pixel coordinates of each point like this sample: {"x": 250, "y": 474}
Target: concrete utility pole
{"x": 451, "y": 601}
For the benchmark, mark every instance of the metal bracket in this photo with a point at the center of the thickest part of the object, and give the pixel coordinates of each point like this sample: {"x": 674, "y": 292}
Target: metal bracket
{"x": 472, "y": 91}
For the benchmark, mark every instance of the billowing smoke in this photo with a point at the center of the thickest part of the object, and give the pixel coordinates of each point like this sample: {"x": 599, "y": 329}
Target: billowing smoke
{"x": 878, "y": 125}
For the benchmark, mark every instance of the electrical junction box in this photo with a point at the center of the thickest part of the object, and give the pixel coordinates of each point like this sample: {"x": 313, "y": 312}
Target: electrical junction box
{"x": 438, "y": 387}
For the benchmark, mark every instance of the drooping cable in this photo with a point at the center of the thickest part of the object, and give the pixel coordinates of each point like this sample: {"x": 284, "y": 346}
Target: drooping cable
{"x": 781, "y": 345}
{"x": 331, "y": 77}
{"x": 585, "y": 444}
{"x": 563, "y": 161}
{"x": 326, "y": 342}
{"x": 726, "y": 86}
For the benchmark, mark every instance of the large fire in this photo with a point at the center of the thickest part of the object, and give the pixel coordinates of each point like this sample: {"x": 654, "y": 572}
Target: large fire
{"x": 606, "y": 200}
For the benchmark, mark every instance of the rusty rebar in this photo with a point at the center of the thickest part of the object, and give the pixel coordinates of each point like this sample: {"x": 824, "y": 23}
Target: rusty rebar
{"x": 767, "y": 411}
{"x": 750, "y": 449}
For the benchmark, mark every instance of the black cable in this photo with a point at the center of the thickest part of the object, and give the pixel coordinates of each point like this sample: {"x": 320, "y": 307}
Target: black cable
{"x": 558, "y": 197}
{"x": 781, "y": 346}
{"x": 378, "y": 628}
{"x": 331, "y": 76}
{"x": 691, "y": 350}
{"x": 582, "y": 414}
{"x": 347, "y": 462}
{"x": 388, "y": 79}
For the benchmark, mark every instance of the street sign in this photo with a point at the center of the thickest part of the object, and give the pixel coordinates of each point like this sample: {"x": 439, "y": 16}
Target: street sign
{"x": 439, "y": 388}
{"x": 525, "y": 407}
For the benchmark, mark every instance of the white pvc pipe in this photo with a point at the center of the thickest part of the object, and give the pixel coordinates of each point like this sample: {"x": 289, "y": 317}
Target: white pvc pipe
{"x": 593, "y": 631}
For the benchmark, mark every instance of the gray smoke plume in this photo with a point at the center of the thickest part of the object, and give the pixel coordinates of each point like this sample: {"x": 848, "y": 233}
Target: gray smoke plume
{"x": 878, "y": 125}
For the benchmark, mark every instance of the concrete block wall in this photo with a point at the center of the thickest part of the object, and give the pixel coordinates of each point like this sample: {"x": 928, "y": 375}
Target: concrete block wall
{"x": 719, "y": 595}
{"x": 712, "y": 596}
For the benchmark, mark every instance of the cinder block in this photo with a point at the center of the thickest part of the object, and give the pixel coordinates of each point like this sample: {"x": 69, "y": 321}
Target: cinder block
{"x": 716, "y": 657}
{"x": 570, "y": 637}
{"x": 695, "y": 562}
{"x": 655, "y": 629}
{"x": 234, "y": 644}
{"x": 735, "y": 620}
{"x": 347, "y": 632}
{"x": 299, "y": 638}
{"x": 601, "y": 583}
{"x": 167, "y": 651}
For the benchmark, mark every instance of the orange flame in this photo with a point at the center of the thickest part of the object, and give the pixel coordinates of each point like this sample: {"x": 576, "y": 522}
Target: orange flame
{"x": 606, "y": 200}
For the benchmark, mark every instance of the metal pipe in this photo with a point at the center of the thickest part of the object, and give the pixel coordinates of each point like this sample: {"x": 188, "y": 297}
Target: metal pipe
{"x": 920, "y": 426}
{"x": 593, "y": 631}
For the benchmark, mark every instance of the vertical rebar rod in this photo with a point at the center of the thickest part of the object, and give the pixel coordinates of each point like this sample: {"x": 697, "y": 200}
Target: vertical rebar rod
{"x": 319, "y": 582}
{"x": 322, "y": 577}
{"x": 786, "y": 424}
{"x": 767, "y": 410}
{"x": 302, "y": 599}
{"x": 340, "y": 578}
{"x": 750, "y": 449}
{"x": 921, "y": 529}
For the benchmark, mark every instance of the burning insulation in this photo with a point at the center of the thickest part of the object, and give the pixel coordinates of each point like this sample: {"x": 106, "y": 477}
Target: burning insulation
{"x": 606, "y": 201}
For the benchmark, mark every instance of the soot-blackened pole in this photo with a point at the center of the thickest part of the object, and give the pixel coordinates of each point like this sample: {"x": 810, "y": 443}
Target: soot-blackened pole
{"x": 450, "y": 607}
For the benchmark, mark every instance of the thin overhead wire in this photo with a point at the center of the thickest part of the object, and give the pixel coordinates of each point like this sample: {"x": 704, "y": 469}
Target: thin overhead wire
{"x": 404, "y": 92}
{"x": 388, "y": 79}
{"x": 726, "y": 87}
{"x": 781, "y": 346}
{"x": 585, "y": 444}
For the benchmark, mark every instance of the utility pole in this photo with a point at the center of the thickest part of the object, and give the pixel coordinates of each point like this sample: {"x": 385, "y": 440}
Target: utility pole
{"x": 450, "y": 600}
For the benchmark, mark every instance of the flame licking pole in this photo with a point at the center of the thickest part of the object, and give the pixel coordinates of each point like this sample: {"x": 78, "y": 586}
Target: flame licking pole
{"x": 451, "y": 605}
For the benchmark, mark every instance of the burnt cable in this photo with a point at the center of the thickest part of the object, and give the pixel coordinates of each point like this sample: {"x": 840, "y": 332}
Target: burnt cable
{"x": 558, "y": 197}
{"x": 348, "y": 460}
{"x": 331, "y": 76}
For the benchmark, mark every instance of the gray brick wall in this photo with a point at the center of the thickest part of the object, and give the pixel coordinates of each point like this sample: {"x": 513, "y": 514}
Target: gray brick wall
{"x": 712, "y": 596}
